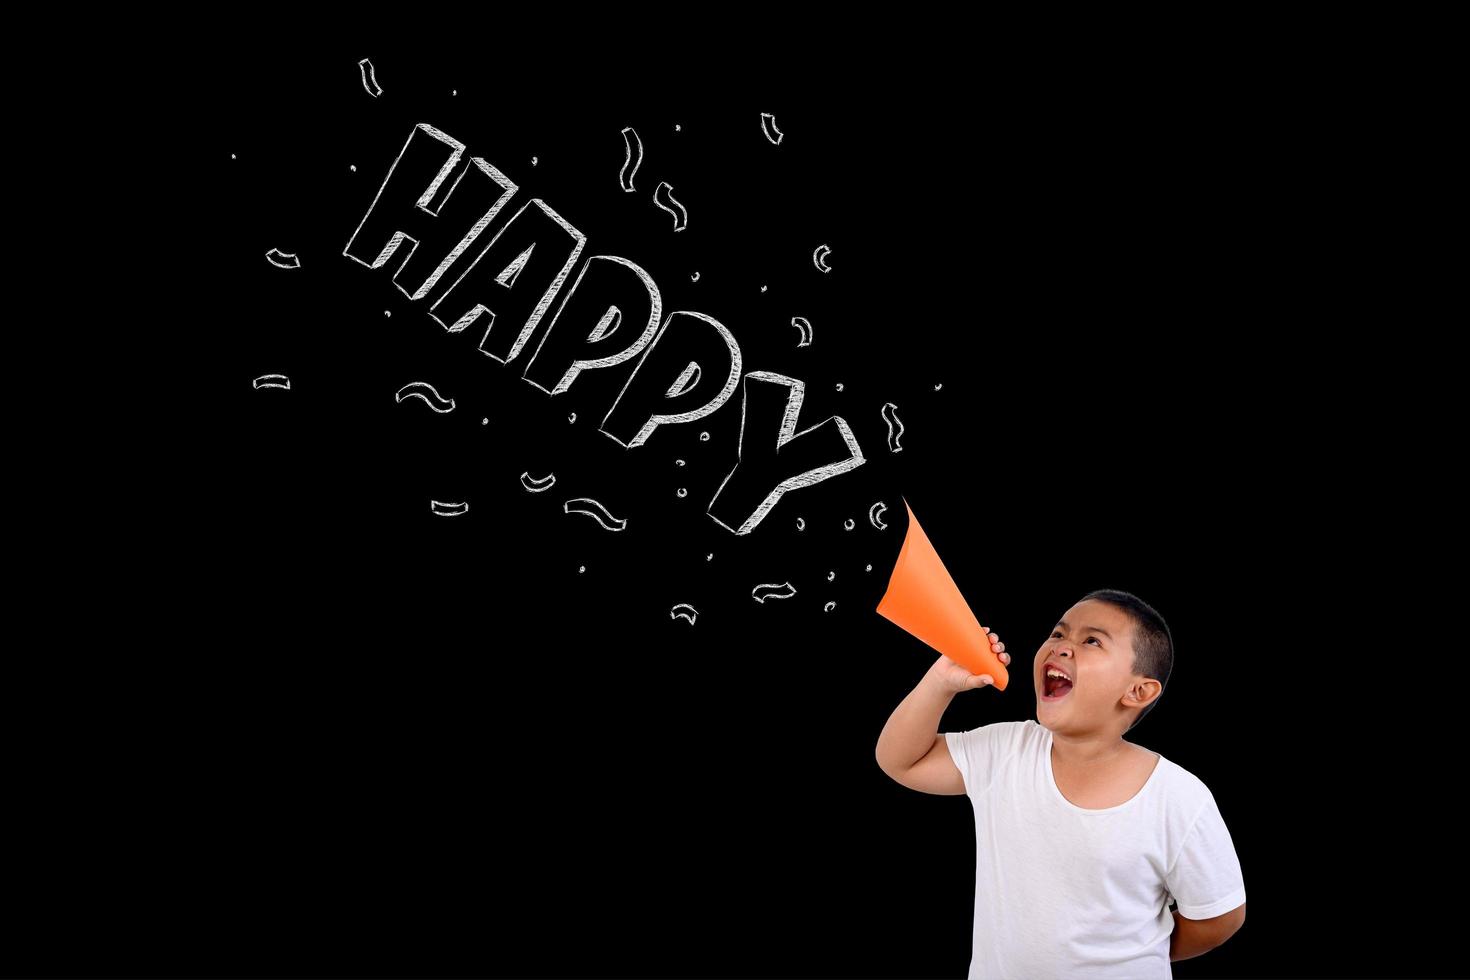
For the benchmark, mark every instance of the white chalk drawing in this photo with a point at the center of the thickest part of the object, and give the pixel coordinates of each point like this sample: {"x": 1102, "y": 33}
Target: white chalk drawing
{"x": 938, "y": 386}
{"x": 594, "y": 510}
{"x": 572, "y": 418}
{"x": 829, "y": 606}
{"x": 633, "y": 148}
{"x": 282, "y": 260}
{"x": 831, "y": 576}
{"x": 681, "y": 217}
{"x": 763, "y": 289}
{"x": 890, "y": 415}
{"x": 581, "y": 569}
{"x": 271, "y": 381}
{"x": 875, "y": 515}
{"x": 804, "y": 325}
{"x": 387, "y": 313}
{"x": 694, "y": 278}
{"x": 719, "y": 399}
{"x": 704, "y": 437}
{"x": 678, "y": 462}
{"x": 425, "y": 391}
{"x": 479, "y": 309}
{"x": 485, "y": 421}
{"x": 684, "y": 610}
{"x": 683, "y": 492}
{"x": 868, "y": 568}
{"x": 849, "y": 524}
{"x": 768, "y": 126}
{"x": 801, "y": 523}
{"x": 839, "y": 386}
{"x": 795, "y": 395}
{"x": 609, "y": 324}
{"x": 819, "y": 258}
{"x": 533, "y": 161}
{"x": 537, "y": 484}
{"x": 772, "y": 591}
{"x": 352, "y": 167}
{"x": 710, "y": 556}
{"x": 448, "y": 510}
{"x": 369, "y": 78}
{"x": 424, "y": 204}
{"x": 677, "y": 127}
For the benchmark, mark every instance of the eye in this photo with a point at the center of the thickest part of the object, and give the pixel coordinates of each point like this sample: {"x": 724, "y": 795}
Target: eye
{"x": 1092, "y": 639}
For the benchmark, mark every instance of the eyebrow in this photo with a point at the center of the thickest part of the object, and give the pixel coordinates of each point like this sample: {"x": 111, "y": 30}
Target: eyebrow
{"x": 1089, "y": 629}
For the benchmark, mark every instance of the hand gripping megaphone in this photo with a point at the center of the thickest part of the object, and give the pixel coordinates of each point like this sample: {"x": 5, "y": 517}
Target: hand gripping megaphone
{"x": 923, "y": 599}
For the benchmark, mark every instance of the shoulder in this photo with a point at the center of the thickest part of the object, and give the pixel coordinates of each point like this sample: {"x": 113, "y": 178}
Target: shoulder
{"x": 1187, "y": 792}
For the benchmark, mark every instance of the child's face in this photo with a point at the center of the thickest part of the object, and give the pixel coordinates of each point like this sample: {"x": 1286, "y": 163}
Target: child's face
{"x": 1093, "y": 644}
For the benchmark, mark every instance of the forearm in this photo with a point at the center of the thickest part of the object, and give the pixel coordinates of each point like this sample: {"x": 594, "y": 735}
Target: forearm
{"x": 1190, "y": 938}
{"x": 909, "y": 733}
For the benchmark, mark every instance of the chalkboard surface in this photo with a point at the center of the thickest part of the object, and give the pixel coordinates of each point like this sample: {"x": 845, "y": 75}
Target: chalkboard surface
{"x": 486, "y": 658}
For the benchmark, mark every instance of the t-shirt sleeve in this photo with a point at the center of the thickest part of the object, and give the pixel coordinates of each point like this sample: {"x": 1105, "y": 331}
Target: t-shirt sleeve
{"x": 1205, "y": 879}
{"x": 974, "y": 753}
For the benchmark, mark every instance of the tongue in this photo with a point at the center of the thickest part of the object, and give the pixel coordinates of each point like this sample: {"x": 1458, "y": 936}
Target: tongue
{"x": 1057, "y": 687}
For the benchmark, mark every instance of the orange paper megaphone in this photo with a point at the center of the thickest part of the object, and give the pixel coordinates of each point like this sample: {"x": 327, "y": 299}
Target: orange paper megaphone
{"x": 923, "y": 599}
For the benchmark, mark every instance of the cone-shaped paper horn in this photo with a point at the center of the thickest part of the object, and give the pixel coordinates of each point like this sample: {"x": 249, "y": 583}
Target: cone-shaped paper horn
{"x": 923, "y": 599}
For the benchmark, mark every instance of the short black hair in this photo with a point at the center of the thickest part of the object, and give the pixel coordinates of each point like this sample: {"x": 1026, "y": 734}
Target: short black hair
{"x": 1153, "y": 644}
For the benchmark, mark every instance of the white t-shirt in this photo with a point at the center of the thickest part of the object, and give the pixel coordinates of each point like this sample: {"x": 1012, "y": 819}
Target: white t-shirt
{"x": 1065, "y": 891}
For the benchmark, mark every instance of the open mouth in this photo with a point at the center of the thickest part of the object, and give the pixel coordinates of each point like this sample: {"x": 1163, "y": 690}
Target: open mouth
{"x": 1054, "y": 688}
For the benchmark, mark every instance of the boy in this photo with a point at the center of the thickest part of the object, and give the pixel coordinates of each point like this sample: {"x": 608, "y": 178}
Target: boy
{"x": 1082, "y": 837}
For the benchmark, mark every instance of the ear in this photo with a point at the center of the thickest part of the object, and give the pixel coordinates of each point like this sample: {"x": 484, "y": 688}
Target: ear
{"x": 1143, "y": 691}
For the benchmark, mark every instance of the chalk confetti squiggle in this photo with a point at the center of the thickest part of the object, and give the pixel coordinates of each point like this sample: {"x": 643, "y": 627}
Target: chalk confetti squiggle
{"x": 685, "y": 611}
{"x": 594, "y": 510}
{"x": 282, "y": 260}
{"x": 890, "y": 415}
{"x": 448, "y": 510}
{"x": 424, "y": 390}
{"x": 875, "y": 515}
{"x": 770, "y": 590}
{"x": 804, "y": 325}
{"x": 768, "y": 126}
{"x": 819, "y": 258}
{"x": 681, "y": 217}
{"x": 369, "y": 78}
{"x": 271, "y": 381}
{"x": 537, "y": 484}
{"x": 633, "y": 148}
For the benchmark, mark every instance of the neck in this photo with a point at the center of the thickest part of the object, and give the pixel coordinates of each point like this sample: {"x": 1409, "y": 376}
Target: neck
{"x": 1086, "y": 750}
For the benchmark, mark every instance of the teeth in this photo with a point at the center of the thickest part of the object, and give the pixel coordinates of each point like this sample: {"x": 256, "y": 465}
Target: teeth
{"x": 1053, "y": 672}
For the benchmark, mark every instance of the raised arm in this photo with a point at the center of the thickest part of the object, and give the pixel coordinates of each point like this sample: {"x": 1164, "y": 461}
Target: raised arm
{"x": 911, "y": 751}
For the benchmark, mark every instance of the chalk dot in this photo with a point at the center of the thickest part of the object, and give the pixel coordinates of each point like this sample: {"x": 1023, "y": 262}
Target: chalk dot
{"x": 572, "y": 417}
{"x": 232, "y": 156}
{"x": 831, "y": 576}
{"x": 533, "y": 161}
{"x": 868, "y": 569}
{"x": 763, "y": 289}
{"x": 352, "y": 167}
{"x": 581, "y": 568}
{"x": 683, "y": 492}
{"x": 828, "y": 607}
{"x": 704, "y": 437}
{"x": 386, "y": 313}
{"x": 839, "y": 386}
{"x": 676, "y": 127}
{"x": 694, "y": 278}
{"x": 484, "y": 421}
{"x": 801, "y": 524}
{"x": 678, "y": 462}
{"x": 938, "y": 386}
{"x": 848, "y": 524}
{"x": 710, "y": 556}
{"x": 455, "y": 92}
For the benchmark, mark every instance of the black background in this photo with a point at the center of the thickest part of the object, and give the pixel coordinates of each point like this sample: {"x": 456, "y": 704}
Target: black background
{"x": 362, "y": 739}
